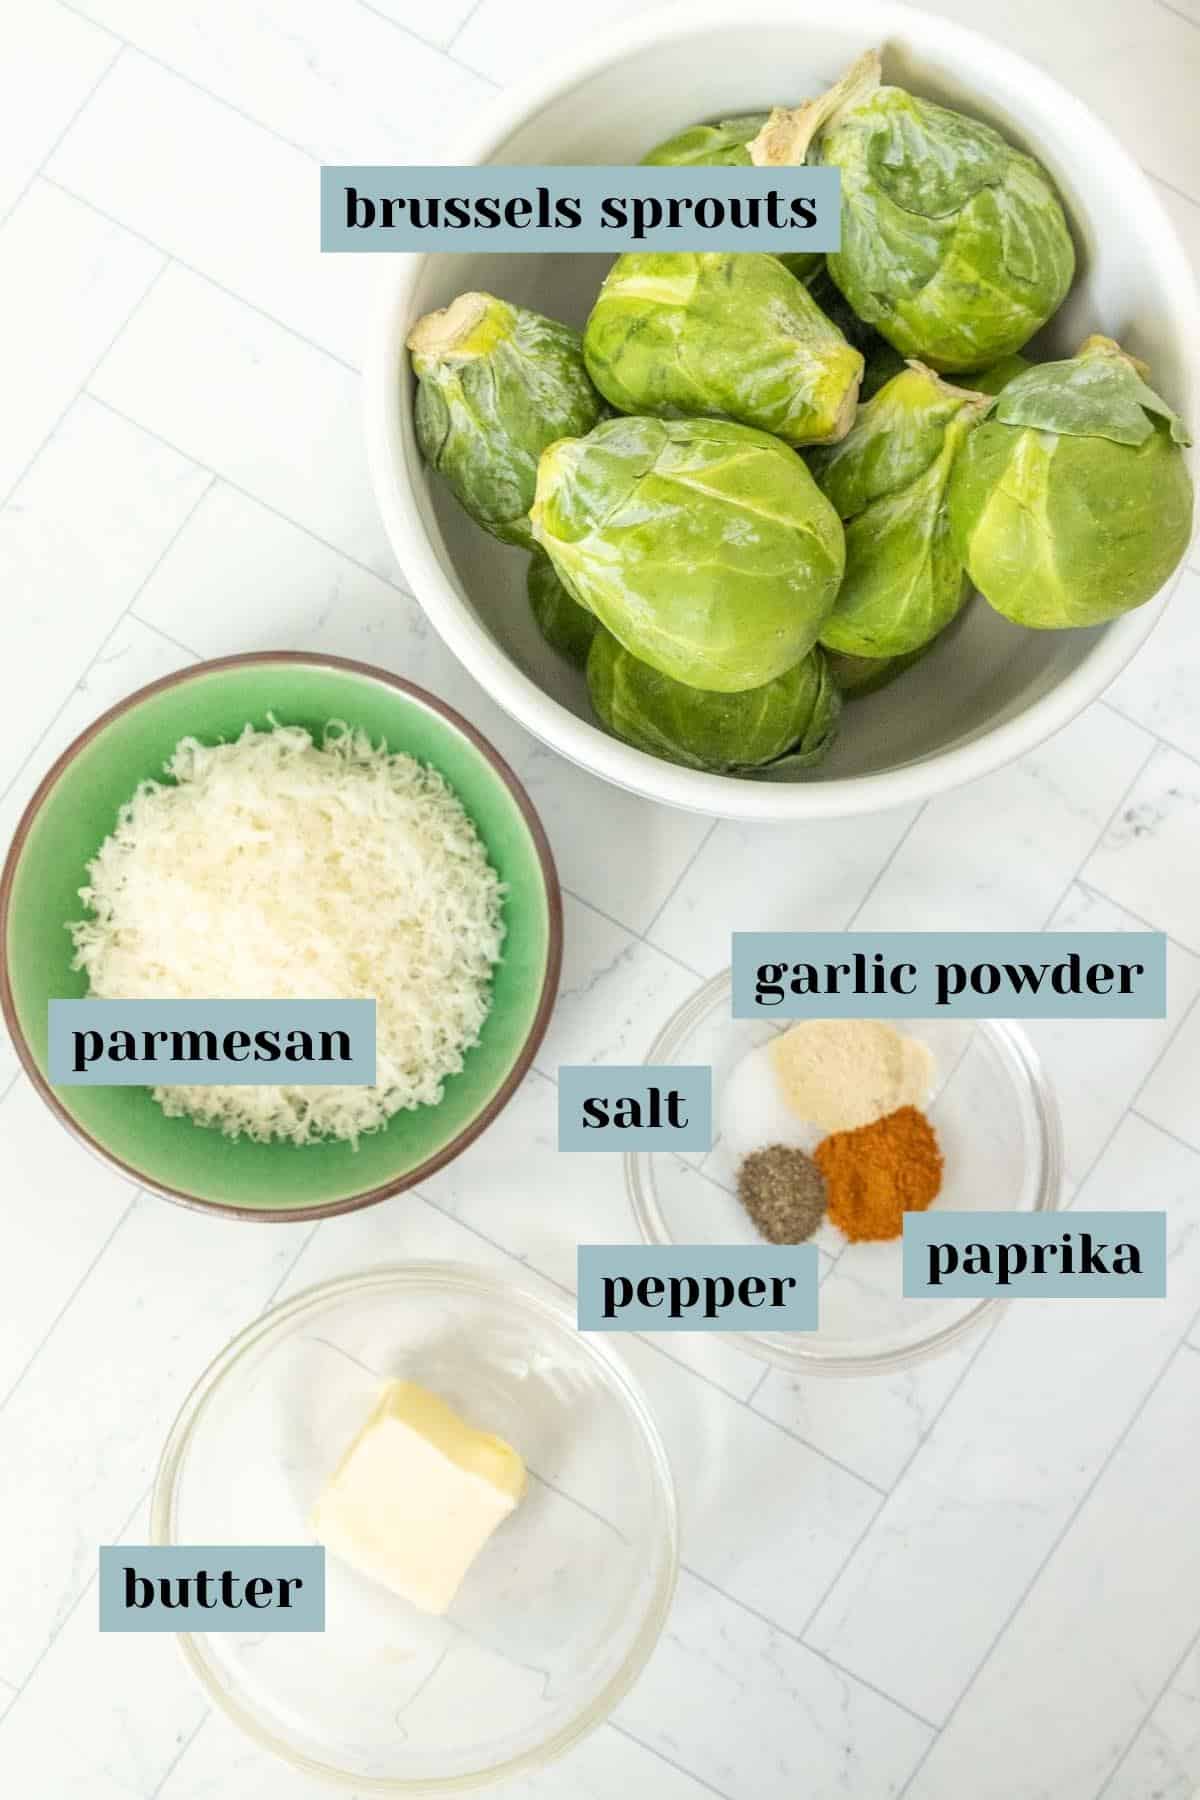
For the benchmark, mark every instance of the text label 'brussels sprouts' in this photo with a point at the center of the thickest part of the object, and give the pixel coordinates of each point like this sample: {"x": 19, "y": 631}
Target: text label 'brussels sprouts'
{"x": 594, "y": 208}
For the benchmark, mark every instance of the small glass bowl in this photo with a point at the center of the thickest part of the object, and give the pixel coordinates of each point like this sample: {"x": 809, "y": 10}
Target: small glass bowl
{"x": 997, "y": 1125}
{"x": 560, "y": 1610}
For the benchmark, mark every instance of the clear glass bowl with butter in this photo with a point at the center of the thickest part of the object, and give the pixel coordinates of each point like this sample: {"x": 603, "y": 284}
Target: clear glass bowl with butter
{"x": 556, "y": 1614}
{"x": 994, "y": 1113}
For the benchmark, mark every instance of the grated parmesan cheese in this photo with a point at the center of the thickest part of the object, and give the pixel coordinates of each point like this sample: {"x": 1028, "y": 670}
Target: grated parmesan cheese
{"x": 276, "y": 868}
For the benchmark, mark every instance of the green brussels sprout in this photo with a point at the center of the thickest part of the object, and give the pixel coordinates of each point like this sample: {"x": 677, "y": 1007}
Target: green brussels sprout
{"x": 790, "y": 721}
{"x": 858, "y": 676}
{"x": 954, "y": 243}
{"x": 720, "y": 335}
{"x": 566, "y": 626}
{"x": 496, "y": 384}
{"x": 990, "y": 381}
{"x": 726, "y": 146}
{"x": 888, "y": 479}
{"x": 704, "y": 547}
{"x": 1072, "y": 503}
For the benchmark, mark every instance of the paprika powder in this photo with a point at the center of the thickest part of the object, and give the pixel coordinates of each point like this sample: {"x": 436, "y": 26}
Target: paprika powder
{"x": 878, "y": 1172}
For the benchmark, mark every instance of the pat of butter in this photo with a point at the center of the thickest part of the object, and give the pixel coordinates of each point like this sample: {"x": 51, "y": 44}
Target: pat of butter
{"x": 417, "y": 1496}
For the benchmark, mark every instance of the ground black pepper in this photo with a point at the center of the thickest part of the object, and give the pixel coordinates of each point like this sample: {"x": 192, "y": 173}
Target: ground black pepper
{"x": 784, "y": 1193}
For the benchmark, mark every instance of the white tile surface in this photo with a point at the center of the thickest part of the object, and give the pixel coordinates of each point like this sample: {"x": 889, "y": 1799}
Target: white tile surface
{"x": 52, "y": 1248}
{"x": 1096, "y": 1074}
{"x": 616, "y": 991}
{"x": 253, "y": 234}
{"x": 759, "y": 1716}
{"x": 68, "y": 282}
{"x": 179, "y": 415}
{"x": 132, "y": 656}
{"x": 131, "y": 1710}
{"x": 112, "y": 1375}
{"x": 940, "y": 1570}
{"x": 279, "y": 389}
{"x": 1100, "y": 1629}
{"x": 1160, "y": 689}
{"x": 770, "y": 879}
{"x": 1163, "y": 1761}
{"x": 997, "y": 855}
{"x": 331, "y": 76}
{"x": 81, "y": 533}
{"x": 1171, "y": 1097}
{"x": 52, "y": 61}
{"x": 1149, "y": 859}
{"x": 874, "y": 1427}
{"x": 501, "y": 35}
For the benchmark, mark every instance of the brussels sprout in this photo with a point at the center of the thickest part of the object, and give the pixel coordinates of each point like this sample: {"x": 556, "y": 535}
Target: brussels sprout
{"x": 990, "y": 381}
{"x": 726, "y": 146}
{"x": 789, "y": 721}
{"x": 954, "y": 244}
{"x": 704, "y": 547}
{"x": 495, "y": 385}
{"x": 566, "y": 626}
{"x": 858, "y": 676}
{"x": 888, "y": 481}
{"x": 714, "y": 334}
{"x": 721, "y": 146}
{"x": 1072, "y": 503}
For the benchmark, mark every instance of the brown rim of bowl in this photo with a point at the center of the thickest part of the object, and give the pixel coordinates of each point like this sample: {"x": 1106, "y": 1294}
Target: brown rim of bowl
{"x": 541, "y": 1019}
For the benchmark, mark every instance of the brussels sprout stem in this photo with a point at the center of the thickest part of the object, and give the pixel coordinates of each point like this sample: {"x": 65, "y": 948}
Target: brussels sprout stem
{"x": 787, "y": 136}
{"x": 450, "y": 332}
{"x": 1099, "y": 345}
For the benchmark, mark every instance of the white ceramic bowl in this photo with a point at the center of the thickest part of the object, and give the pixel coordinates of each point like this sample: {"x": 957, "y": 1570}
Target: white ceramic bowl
{"x": 992, "y": 690}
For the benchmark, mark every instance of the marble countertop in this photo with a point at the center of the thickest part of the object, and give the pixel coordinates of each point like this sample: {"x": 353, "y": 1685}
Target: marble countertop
{"x": 979, "y": 1577}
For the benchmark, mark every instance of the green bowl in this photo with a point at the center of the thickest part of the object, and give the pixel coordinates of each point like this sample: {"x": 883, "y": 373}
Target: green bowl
{"x": 74, "y": 810}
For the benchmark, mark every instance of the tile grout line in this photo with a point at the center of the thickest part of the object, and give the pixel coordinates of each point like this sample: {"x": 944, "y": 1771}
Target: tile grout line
{"x": 1154, "y": 1125}
{"x": 232, "y": 106}
{"x": 1149, "y": 1713}
{"x": 461, "y": 27}
{"x": 126, "y": 613}
{"x": 179, "y": 1755}
{"x": 986, "y": 1333}
{"x": 632, "y": 1737}
{"x": 246, "y": 493}
{"x": 67, "y": 1303}
{"x": 648, "y": 1340}
{"x": 129, "y": 316}
{"x": 166, "y": 636}
{"x": 1059, "y": 1540}
{"x": 886, "y": 864}
{"x": 73, "y": 1608}
{"x": 199, "y": 274}
{"x": 378, "y": 13}
{"x": 791, "y": 1636}
{"x": 638, "y": 937}
{"x": 1090, "y": 887}
{"x": 106, "y": 71}
{"x": 146, "y": 1491}
{"x": 675, "y": 885}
